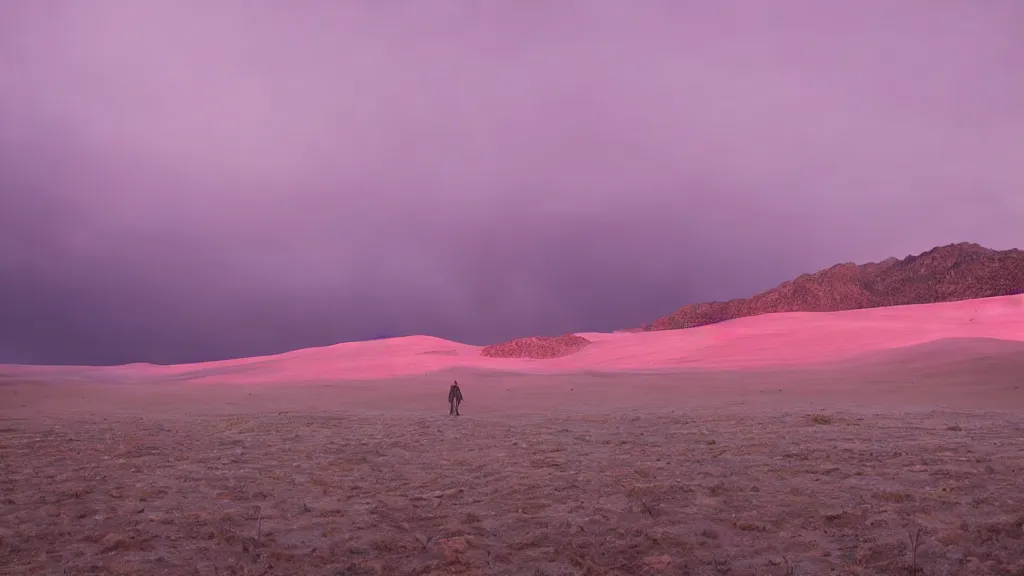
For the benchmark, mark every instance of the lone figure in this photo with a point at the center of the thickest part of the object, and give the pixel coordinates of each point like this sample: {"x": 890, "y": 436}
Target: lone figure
{"x": 454, "y": 399}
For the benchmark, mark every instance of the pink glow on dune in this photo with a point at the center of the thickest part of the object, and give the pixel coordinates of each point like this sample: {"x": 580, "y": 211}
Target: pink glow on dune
{"x": 770, "y": 340}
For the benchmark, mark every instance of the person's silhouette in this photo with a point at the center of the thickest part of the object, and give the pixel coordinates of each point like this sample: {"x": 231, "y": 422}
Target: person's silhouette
{"x": 454, "y": 399}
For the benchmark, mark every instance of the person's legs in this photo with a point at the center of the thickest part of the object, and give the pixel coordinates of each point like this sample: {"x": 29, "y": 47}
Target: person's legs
{"x": 457, "y": 402}
{"x": 451, "y": 407}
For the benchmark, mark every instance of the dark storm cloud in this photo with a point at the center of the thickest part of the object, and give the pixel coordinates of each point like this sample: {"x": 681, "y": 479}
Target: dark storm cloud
{"x": 193, "y": 180}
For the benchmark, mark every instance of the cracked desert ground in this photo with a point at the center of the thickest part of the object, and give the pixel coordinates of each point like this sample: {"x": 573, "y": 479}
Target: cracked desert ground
{"x": 804, "y": 444}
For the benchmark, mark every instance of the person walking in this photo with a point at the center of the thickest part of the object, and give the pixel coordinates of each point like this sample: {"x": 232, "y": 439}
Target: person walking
{"x": 454, "y": 399}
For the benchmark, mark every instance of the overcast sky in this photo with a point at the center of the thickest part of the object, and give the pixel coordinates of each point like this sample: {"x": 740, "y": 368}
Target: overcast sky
{"x": 197, "y": 179}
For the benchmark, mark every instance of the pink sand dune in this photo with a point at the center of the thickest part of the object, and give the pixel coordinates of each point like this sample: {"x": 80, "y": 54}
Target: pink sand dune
{"x": 788, "y": 339}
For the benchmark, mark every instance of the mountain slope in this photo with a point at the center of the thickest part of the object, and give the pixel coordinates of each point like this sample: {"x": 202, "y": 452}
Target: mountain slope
{"x": 943, "y": 274}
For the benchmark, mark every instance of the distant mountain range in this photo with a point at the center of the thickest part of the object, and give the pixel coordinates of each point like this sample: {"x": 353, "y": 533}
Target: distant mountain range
{"x": 943, "y": 274}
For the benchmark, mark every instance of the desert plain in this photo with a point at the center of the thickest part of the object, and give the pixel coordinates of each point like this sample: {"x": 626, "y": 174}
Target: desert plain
{"x": 879, "y": 441}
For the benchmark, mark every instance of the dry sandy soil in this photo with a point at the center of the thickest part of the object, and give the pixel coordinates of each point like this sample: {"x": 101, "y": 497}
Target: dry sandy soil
{"x": 754, "y": 467}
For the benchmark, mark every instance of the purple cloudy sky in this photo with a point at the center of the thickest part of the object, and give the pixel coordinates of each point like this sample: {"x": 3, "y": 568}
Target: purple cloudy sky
{"x": 197, "y": 179}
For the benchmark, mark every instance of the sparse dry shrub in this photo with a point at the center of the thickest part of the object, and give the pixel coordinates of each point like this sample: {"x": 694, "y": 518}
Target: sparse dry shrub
{"x": 915, "y": 543}
{"x": 645, "y": 499}
{"x": 820, "y": 418}
{"x": 893, "y": 497}
{"x": 749, "y": 526}
{"x": 717, "y": 489}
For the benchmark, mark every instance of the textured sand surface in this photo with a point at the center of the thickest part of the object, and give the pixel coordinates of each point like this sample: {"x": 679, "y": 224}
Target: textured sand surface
{"x": 791, "y": 444}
